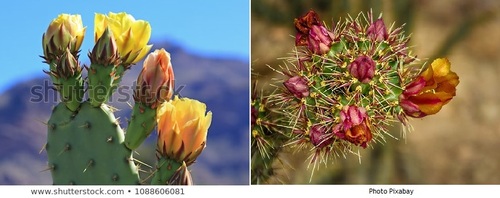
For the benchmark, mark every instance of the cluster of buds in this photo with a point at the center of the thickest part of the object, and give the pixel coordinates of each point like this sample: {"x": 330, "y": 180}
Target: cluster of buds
{"x": 351, "y": 82}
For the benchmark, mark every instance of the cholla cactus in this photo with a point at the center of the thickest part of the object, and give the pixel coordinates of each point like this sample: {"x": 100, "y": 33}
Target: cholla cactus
{"x": 347, "y": 84}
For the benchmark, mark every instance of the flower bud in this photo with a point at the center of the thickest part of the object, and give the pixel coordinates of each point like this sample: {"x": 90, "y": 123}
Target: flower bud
{"x": 65, "y": 31}
{"x": 105, "y": 50}
{"x": 320, "y": 39}
{"x": 297, "y": 86}
{"x": 362, "y": 68}
{"x": 68, "y": 65}
{"x": 155, "y": 83}
{"x": 377, "y": 31}
{"x": 319, "y": 136}
{"x": 66, "y": 75}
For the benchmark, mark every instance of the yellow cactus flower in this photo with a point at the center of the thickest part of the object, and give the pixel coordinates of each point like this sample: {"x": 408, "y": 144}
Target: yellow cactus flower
{"x": 132, "y": 36}
{"x": 65, "y": 31}
{"x": 182, "y": 129}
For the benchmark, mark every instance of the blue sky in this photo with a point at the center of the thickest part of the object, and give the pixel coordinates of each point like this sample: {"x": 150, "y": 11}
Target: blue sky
{"x": 209, "y": 28}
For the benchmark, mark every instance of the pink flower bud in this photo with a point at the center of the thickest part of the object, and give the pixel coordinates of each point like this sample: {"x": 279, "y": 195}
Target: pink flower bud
{"x": 297, "y": 86}
{"x": 319, "y": 136}
{"x": 312, "y": 33}
{"x": 362, "y": 68}
{"x": 377, "y": 31}
{"x": 155, "y": 83}
{"x": 320, "y": 39}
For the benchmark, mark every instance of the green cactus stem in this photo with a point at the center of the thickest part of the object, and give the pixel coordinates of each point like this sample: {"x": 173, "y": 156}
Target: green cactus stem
{"x": 101, "y": 78}
{"x": 165, "y": 169}
{"x": 141, "y": 124}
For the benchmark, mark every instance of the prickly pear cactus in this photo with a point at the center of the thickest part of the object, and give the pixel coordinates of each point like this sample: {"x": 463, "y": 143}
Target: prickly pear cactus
{"x": 85, "y": 143}
{"x": 87, "y": 147}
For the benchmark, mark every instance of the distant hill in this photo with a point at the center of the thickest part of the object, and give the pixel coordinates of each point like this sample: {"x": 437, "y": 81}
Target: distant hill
{"x": 221, "y": 83}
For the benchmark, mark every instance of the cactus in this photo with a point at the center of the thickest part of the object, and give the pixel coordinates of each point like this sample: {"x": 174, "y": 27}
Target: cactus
{"x": 343, "y": 88}
{"x": 85, "y": 142}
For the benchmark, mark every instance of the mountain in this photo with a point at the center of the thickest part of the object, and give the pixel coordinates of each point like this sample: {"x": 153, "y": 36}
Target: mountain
{"x": 220, "y": 83}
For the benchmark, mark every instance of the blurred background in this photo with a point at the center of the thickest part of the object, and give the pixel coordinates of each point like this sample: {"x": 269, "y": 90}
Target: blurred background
{"x": 460, "y": 144}
{"x": 210, "y": 64}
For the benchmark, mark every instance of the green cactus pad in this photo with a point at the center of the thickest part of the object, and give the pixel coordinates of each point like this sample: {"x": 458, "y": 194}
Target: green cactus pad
{"x": 87, "y": 147}
{"x": 142, "y": 123}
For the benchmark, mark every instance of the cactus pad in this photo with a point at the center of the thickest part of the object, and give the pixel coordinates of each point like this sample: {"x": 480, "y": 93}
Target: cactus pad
{"x": 87, "y": 147}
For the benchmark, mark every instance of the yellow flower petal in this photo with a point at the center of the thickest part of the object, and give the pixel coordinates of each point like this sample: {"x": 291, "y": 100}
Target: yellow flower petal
{"x": 441, "y": 67}
{"x": 142, "y": 32}
{"x": 190, "y": 131}
{"x": 143, "y": 53}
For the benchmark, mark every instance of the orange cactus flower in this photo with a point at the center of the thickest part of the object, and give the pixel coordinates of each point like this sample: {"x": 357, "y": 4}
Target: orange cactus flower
{"x": 182, "y": 129}
{"x": 431, "y": 90}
